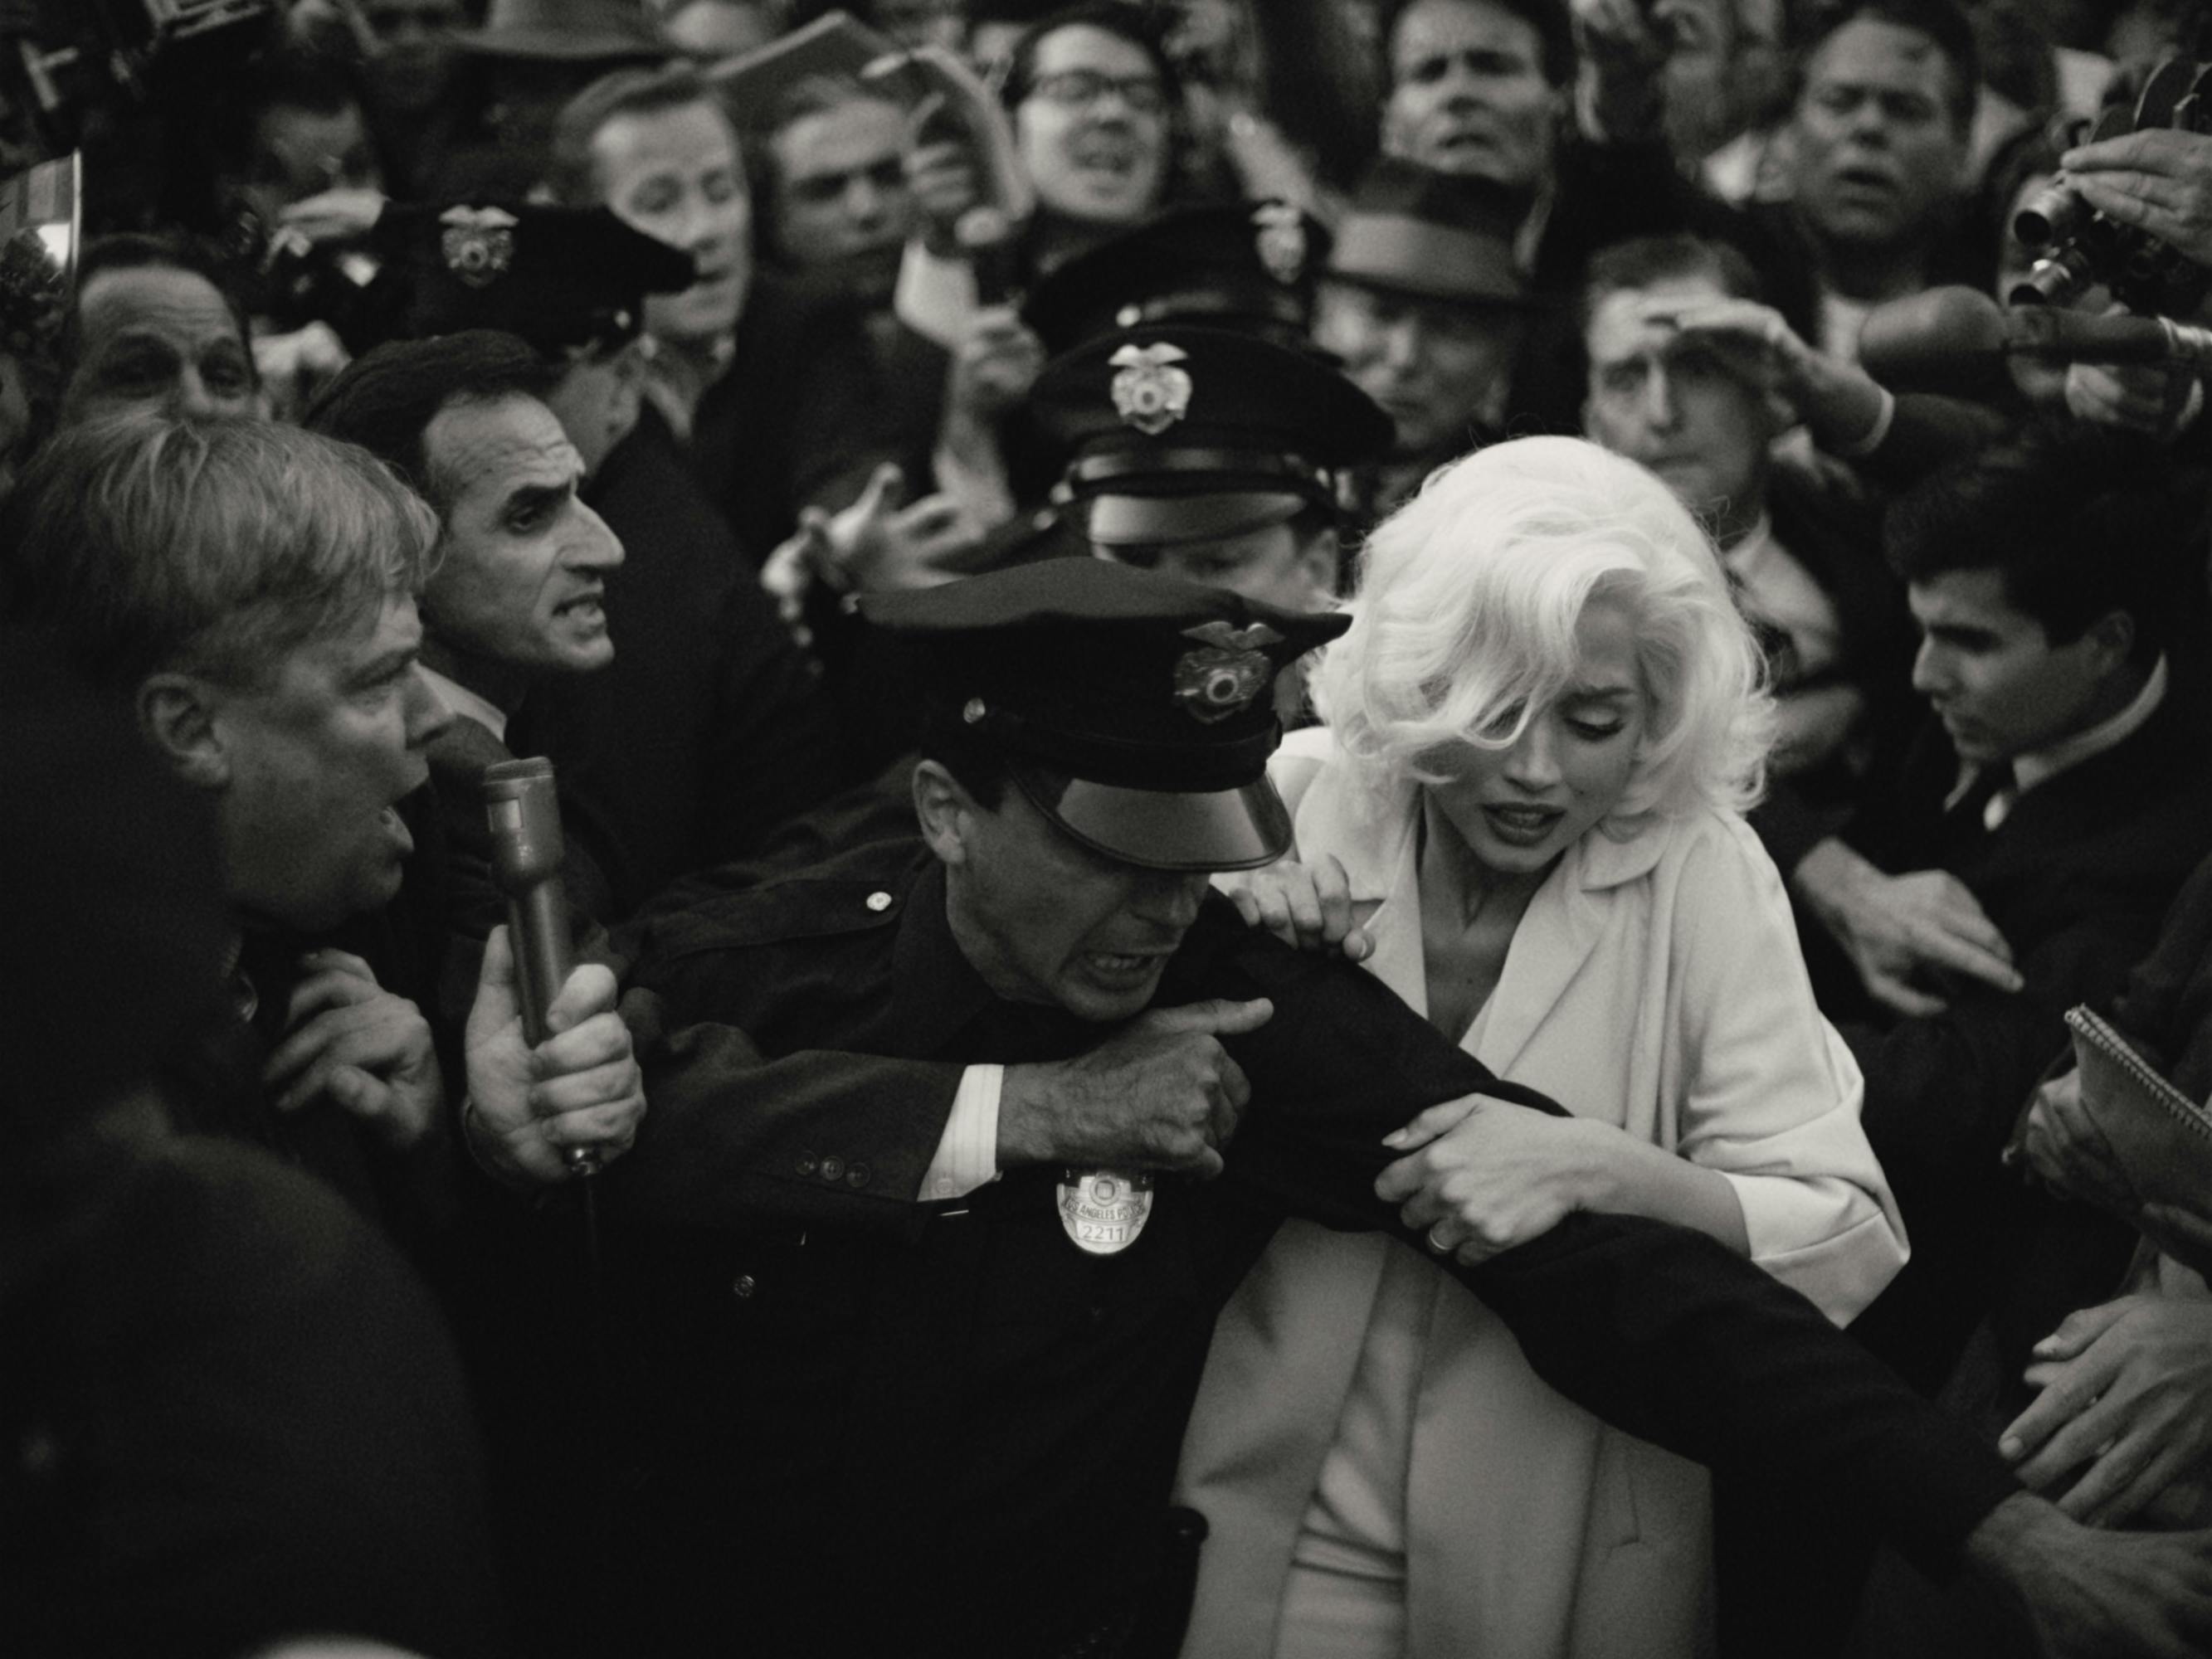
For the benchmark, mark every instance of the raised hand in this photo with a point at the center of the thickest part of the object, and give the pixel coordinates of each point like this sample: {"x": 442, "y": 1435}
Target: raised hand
{"x": 2159, "y": 180}
{"x": 365, "y": 1049}
{"x": 1160, "y": 1094}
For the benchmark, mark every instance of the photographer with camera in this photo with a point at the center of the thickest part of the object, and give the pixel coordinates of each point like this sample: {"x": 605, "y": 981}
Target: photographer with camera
{"x": 2158, "y": 180}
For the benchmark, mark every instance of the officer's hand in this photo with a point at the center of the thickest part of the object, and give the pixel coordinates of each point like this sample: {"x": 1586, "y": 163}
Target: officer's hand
{"x": 2082, "y": 1591}
{"x": 579, "y": 1087}
{"x": 1160, "y": 1094}
{"x": 367, "y": 1051}
{"x": 1306, "y": 906}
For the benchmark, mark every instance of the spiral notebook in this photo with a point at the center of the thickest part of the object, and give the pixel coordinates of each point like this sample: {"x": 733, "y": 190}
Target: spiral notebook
{"x": 2161, "y": 1137}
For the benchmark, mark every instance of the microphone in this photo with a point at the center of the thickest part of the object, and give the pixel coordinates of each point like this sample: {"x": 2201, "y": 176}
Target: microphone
{"x": 1956, "y": 340}
{"x": 526, "y": 851}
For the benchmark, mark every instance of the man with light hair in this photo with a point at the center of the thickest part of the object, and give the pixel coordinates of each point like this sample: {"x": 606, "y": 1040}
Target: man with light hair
{"x": 249, "y": 589}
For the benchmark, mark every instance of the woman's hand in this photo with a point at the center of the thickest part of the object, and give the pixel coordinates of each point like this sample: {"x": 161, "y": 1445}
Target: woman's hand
{"x": 1306, "y": 906}
{"x": 1485, "y": 1175}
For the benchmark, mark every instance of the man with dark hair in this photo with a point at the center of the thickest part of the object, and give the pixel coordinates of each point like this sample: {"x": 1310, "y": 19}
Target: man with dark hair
{"x": 155, "y": 325}
{"x": 2020, "y": 856}
{"x": 1488, "y": 88}
{"x": 909, "y": 1422}
{"x": 518, "y": 595}
{"x": 1877, "y": 158}
{"x": 1424, "y": 299}
{"x": 1668, "y": 390}
{"x": 710, "y": 728}
{"x": 837, "y": 204}
{"x": 249, "y": 589}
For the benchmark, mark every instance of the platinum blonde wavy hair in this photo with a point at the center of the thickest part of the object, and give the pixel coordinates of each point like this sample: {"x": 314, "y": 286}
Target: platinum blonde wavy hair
{"x": 1464, "y": 620}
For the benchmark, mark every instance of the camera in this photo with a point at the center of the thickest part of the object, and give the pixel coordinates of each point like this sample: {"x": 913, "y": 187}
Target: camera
{"x": 2081, "y": 249}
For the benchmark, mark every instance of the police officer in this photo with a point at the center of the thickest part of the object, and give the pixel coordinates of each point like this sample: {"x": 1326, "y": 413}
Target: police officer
{"x": 1211, "y": 454}
{"x": 921, "y": 1277}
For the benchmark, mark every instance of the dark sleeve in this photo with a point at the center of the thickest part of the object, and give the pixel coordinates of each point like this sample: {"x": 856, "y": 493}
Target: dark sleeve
{"x": 1660, "y": 1331}
{"x": 1942, "y": 1092}
{"x": 777, "y": 750}
{"x": 273, "y": 1437}
{"x": 734, "y": 1137}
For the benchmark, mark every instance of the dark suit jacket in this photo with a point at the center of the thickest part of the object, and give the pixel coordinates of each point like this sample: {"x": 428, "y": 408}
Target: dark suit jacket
{"x": 807, "y": 411}
{"x": 919, "y": 1421}
{"x": 711, "y": 728}
{"x": 2076, "y": 878}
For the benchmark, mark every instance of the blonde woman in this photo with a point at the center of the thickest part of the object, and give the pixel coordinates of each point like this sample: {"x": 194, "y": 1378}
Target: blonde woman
{"x": 1543, "y": 728}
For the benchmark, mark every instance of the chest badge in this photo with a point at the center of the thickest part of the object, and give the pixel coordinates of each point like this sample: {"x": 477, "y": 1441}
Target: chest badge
{"x": 1104, "y": 1210}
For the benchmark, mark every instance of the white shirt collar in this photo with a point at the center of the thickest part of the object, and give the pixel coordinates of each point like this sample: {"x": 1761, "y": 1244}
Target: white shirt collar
{"x": 468, "y": 704}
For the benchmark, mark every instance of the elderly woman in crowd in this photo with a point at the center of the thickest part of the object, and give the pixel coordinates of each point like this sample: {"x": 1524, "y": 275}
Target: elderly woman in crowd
{"x": 1524, "y": 817}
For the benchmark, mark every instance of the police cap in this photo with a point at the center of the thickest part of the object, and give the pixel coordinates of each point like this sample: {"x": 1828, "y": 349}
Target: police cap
{"x": 562, "y": 278}
{"x": 1247, "y": 266}
{"x": 1134, "y": 709}
{"x": 1186, "y": 434}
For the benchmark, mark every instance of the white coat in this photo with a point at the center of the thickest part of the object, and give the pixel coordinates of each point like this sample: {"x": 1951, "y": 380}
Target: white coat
{"x": 1655, "y": 983}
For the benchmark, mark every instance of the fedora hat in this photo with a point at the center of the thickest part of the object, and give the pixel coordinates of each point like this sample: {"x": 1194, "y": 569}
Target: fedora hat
{"x": 568, "y": 32}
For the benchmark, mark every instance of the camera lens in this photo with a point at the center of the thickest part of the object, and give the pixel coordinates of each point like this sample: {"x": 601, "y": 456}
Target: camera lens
{"x": 2049, "y": 217}
{"x": 2058, "y": 281}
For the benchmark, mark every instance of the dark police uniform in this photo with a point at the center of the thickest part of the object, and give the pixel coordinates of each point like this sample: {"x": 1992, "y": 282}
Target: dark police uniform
{"x": 873, "y": 1423}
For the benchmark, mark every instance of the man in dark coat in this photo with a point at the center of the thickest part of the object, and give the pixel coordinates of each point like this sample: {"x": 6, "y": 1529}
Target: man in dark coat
{"x": 709, "y": 729}
{"x": 949, "y": 1423}
{"x": 2018, "y": 859}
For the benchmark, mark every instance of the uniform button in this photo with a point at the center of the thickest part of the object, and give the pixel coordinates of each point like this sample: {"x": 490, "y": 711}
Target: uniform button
{"x": 805, "y": 1164}
{"x": 833, "y": 1168}
{"x": 856, "y": 1174}
{"x": 744, "y": 1287}
{"x": 879, "y": 901}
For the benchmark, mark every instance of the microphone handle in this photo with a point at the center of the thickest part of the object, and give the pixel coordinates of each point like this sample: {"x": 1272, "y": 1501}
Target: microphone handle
{"x": 540, "y": 932}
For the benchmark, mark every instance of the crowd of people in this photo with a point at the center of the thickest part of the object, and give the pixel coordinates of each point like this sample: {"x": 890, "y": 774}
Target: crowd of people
{"x": 1377, "y": 834}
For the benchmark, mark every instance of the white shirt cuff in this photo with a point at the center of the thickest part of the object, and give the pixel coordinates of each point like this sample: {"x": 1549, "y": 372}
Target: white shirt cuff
{"x": 967, "y": 1157}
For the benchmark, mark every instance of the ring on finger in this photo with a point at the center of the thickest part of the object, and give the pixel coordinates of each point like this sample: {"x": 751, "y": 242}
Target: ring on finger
{"x": 584, "y": 1160}
{"x": 1441, "y": 1246}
